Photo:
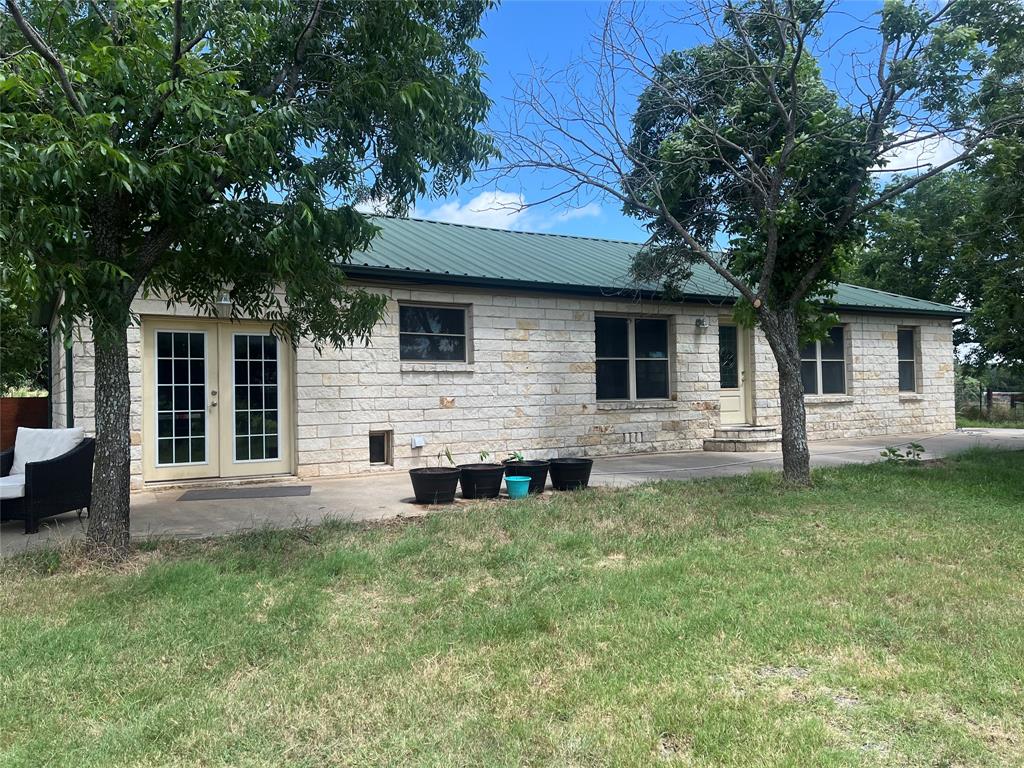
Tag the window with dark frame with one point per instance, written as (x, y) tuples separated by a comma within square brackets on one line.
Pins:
[(631, 358), (432, 334), (380, 447), (906, 353), (823, 364)]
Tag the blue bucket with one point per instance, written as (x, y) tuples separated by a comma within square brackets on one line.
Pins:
[(518, 486)]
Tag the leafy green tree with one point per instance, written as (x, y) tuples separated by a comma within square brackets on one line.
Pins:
[(185, 149), (23, 343), (958, 238), (741, 141)]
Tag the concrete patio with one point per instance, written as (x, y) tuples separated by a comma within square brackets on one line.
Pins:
[(378, 497)]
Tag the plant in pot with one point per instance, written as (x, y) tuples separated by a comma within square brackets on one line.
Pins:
[(481, 480), (536, 470), (436, 485), (570, 474)]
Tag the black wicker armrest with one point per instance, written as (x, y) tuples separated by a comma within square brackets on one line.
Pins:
[(6, 462), (63, 483)]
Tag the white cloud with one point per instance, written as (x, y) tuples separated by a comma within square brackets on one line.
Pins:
[(499, 209), (921, 155), (590, 210)]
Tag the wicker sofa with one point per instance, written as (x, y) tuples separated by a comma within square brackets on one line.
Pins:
[(36, 484)]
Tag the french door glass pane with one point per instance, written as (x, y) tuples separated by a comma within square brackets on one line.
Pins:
[(728, 368), (255, 417), (651, 379), (180, 397)]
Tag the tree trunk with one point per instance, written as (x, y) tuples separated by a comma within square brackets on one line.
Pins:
[(109, 514), (783, 336)]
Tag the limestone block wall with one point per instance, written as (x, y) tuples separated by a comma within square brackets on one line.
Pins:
[(81, 383), (528, 386), (873, 404)]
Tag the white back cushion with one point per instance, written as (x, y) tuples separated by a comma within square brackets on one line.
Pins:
[(41, 444)]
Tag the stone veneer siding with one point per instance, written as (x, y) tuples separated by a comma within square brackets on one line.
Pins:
[(530, 385)]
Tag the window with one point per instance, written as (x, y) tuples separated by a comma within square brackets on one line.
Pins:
[(632, 358), (380, 447), (256, 401), (823, 364), (180, 397), (432, 333), (906, 352)]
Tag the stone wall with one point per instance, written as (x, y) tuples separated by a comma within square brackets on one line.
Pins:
[(530, 385), (872, 404)]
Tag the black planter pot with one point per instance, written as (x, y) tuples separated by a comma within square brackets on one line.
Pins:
[(481, 481), (434, 485), (537, 471), (570, 474)]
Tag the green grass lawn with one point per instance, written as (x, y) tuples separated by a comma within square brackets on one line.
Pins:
[(877, 619), (967, 421)]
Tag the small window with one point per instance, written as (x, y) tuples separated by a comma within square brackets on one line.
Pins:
[(632, 358), (380, 447), (906, 352), (435, 334), (823, 364)]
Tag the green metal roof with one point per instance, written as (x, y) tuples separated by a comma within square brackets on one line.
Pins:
[(423, 251)]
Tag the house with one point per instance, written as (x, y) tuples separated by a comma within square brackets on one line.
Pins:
[(505, 341)]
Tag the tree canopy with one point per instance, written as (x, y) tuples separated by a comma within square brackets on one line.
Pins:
[(188, 149), (741, 155)]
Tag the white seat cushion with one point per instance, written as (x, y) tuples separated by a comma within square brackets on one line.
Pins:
[(12, 487), (41, 444)]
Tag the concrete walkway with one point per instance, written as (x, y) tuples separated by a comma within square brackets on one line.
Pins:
[(384, 496)]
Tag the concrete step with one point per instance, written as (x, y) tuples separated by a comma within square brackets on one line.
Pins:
[(744, 432), (742, 439)]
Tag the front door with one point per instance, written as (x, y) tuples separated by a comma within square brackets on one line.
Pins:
[(216, 400), (733, 346)]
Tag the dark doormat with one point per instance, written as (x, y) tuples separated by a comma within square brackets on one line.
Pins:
[(268, 492)]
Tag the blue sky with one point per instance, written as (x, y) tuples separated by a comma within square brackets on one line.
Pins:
[(553, 33)]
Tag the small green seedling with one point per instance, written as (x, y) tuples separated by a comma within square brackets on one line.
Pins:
[(910, 455), (516, 456), (446, 453)]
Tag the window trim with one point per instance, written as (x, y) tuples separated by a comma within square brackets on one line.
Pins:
[(632, 359), (817, 359), (916, 352), (467, 356)]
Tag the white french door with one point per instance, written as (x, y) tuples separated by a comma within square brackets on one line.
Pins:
[(216, 400)]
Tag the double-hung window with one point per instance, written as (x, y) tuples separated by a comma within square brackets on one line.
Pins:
[(906, 353), (823, 364), (632, 358), (433, 334)]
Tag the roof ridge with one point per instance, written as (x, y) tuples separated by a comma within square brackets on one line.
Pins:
[(507, 231)]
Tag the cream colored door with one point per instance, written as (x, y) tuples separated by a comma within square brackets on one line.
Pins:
[(255, 403), (216, 400), (733, 349)]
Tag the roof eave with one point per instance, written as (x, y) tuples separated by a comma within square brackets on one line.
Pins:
[(390, 274)]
